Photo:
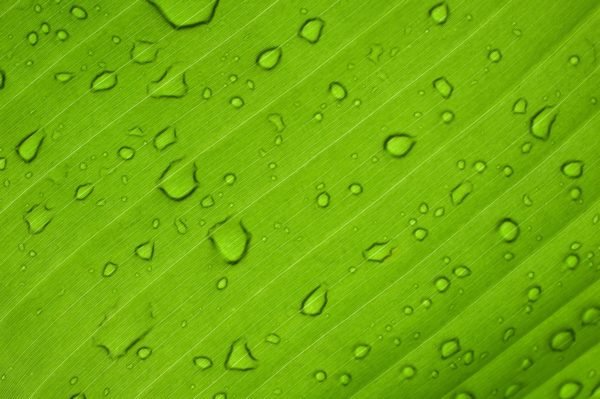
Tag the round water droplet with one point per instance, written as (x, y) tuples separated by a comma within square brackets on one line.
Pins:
[(408, 372), (509, 230), (345, 379), (78, 12), (495, 55), (203, 362), (126, 153), (464, 395), (442, 284), (237, 102), (355, 188), (572, 169), (269, 58), (144, 352), (399, 145), (338, 91), (62, 35), (420, 233), (534, 293), (378, 252), (323, 199), (574, 60), (447, 116), (443, 87), (320, 375)]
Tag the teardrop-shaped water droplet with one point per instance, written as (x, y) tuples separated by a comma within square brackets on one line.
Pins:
[(572, 169), (461, 192), (443, 87), (520, 106), (231, 239), (105, 80), (269, 58), (109, 269), (399, 145), (439, 13), (509, 230), (29, 147), (178, 181), (182, 14), (314, 303), (165, 138), (171, 84), (378, 252), (541, 123), (311, 30), (562, 340), (240, 357), (83, 191), (145, 251)]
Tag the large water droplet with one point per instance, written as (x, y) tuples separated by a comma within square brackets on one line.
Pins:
[(240, 357), (314, 303), (572, 169), (182, 14), (171, 84), (439, 13), (449, 348), (311, 30), (590, 316), (177, 181), (443, 86), (562, 340), (29, 147), (541, 123), (378, 251), (461, 192), (269, 58), (105, 80), (78, 12), (231, 239), (165, 138), (37, 218), (569, 389), (509, 230), (399, 145)]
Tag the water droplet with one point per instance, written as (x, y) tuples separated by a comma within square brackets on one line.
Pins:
[(236, 102), (572, 169), (320, 375), (361, 351), (569, 389), (37, 218), (345, 379), (541, 123), (461, 192), (439, 13), (29, 147), (63, 77), (32, 38), (145, 250), (165, 138), (562, 340), (277, 121), (574, 60), (508, 334), (355, 188), (314, 303), (269, 58), (442, 284), (461, 271), (229, 179), (378, 252), (399, 145), (207, 201), (273, 339), (447, 116), (571, 261), (449, 348), (220, 395), (534, 293), (468, 357), (375, 53), (78, 12), (207, 93), (443, 86), (240, 357), (178, 183), (62, 35), (144, 352), (171, 84), (323, 199), (420, 233), (3, 163), (520, 106), (181, 225), (186, 13), (109, 269), (512, 390), (143, 52), (231, 239), (464, 395), (509, 230), (408, 372), (495, 55), (311, 30), (338, 91), (590, 316), (105, 80), (2, 79), (203, 362), (126, 153)]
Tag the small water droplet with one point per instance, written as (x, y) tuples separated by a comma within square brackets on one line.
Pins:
[(78, 12), (447, 116), (207, 201), (269, 58), (104, 81), (461, 271), (222, 283), (109, 269), (562, 340), (420, 233), (520, 106), (236, 102), (64, 77), (145, 250), (144, 352), (449, 348), (574, 60), (443, 87), (314, 303), (361, 351), (186, 14), (590, 316), (399, 145), (202, 362), (37, 218), (569, 389), (464, 395), (509, 230), (231, 239), (126, 153), (495, 55), (355, 188), (277, 121), (32, 38), (345, 379), (273, 338), (323, 199), (442, 284), (408, 372), (534, 292), (439, 13), (320, 375), (461, 192)]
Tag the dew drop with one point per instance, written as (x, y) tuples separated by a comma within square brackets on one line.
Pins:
[(323, 199), (541, 123), (345, 379), (171, 84), (572, 169), (165, 138), (32, 38), (399, 145), (78, 12), (143, 52), (240, 357), (569, 389), (104, 81), (378, 252), (534, 293), (237, 102), (338, 91), (443, 87), (178, 182), (126, 153), (314, 303), (183, 14), (37, 218), (145, 251), (109, 269), (439, 13), (361, 351), (231, 239), (509, 230), (520, 106), (461, 192), (461, 271), (311, 30), (269, 58), (63, 77), (203, 362), (562, 340), (29, 147), (495, 55), (590, 316), (277, 121), (442, 284), (408, 372), (355, 188), (320, 375), (420, 233), (144, 352), (449, 348)]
